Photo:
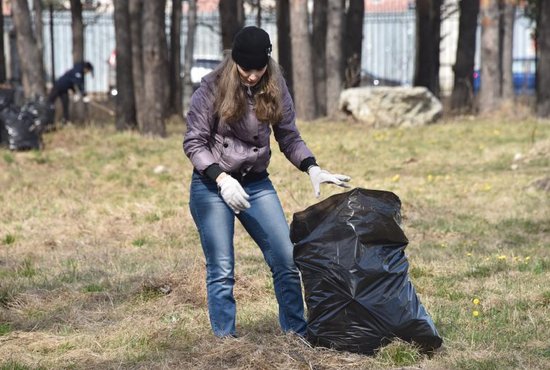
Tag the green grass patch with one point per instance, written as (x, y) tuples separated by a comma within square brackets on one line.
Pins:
[(15, 365), (4, 329), (27, 268), (8, 239), (93, 288), (399, 353)]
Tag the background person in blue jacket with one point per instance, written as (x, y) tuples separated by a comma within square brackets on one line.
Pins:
[(73, 80)]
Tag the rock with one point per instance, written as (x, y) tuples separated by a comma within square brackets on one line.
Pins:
[(391, 106)]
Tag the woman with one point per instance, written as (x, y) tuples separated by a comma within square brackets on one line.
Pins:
[(229, 123)]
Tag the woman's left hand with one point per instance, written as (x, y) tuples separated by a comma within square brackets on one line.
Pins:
[(319, 176)]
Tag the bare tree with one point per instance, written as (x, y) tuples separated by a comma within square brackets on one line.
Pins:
[(258, 4), (284, 46), (189, 49), (2, 48), (335, 28), (320, 21), (77, 25), (231, 20), (428, 37), (462, 98), (30, 58), (354, 42), (490, 60), (38, 25), (508, 15), (154, 68), (301, 60), (136, 14), (79, 109), (125, 101), (175, 99), (543, 58)]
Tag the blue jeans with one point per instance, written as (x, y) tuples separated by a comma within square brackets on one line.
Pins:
[(266, 224)]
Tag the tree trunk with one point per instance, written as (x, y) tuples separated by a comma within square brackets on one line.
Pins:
[(354, 43), (79, 109), (258, 13), (320, 19), (301, 60), (284, 46), (543, 60), (428, 24), (490, 89), (136, 15), (189, 50), (508, 20), (77, 25), (175, 60), (231, 20), (462, 98), (335, 31), (52, 44), (125, 103), (38, 25), (154, 67), (32, 66), (2, 48)]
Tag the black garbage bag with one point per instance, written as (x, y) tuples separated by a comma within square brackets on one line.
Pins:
[(350, 251), (7, 96), (42, 111), (22, 129)]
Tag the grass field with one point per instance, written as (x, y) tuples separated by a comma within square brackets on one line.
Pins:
[(101, 267)]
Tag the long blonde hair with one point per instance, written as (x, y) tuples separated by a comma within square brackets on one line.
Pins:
[(231, 100)]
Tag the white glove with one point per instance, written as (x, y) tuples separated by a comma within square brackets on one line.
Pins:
[(319, 176), (233, 193), (86, 99)]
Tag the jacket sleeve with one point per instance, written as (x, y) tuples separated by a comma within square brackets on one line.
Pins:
[(287, 134), (196, 142), (77, 79)]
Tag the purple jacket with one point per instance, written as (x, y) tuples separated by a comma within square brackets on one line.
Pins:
[(242, 147)]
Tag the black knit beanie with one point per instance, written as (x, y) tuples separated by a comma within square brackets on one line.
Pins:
[(251, 48)]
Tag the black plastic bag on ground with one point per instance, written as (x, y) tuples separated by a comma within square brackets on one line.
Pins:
[(350, 251), (22, 129), (42, 111)]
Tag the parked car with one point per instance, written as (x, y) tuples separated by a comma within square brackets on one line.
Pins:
[(200, 68), (523, 74), (369, 79)]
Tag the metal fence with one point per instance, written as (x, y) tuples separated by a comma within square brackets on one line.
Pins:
[(388, 43)]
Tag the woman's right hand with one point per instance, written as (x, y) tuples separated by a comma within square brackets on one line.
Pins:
[(232, 193)]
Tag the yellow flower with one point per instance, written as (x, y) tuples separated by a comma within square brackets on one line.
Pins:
[(501, 257), (527, 258), (395, 178), (475, 313), (430, 178), (476, 301), (469, 254), (487, 187)]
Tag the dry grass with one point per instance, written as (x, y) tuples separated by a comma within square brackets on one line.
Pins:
[(100, 264)]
